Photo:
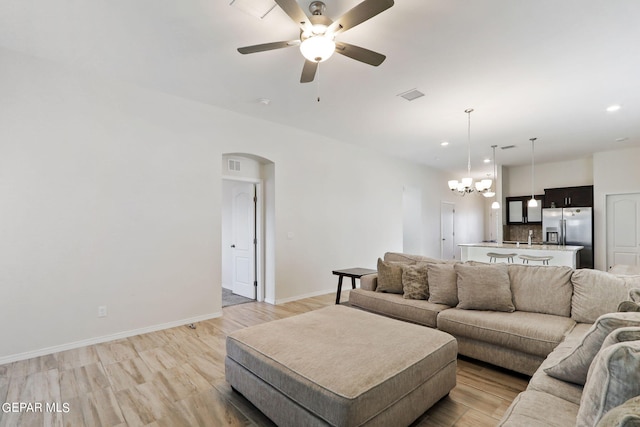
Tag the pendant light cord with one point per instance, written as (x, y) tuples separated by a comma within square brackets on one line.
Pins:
[(532, 166), (495, 168), (318, 82), (469, 111)]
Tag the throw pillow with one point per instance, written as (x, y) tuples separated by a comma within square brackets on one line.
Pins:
[(389, 277), (630, 333), (614, 378), (484, 287), (443, 287), (634, 304), (575, 365), (414, 281), (625, 415)]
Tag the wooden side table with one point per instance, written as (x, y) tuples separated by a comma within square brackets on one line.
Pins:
[(354, 273)]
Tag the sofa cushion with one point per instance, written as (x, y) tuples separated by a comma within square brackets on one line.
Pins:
[(614, 378), (389, 277), (443, 288), (540, 381), (536, 409), (531, 333), (575, 365), (484, 287), (596, 293), (625, 415), (414, 281), (415, 311), (541, 289)]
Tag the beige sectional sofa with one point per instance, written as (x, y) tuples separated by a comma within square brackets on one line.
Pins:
[(552, 310)]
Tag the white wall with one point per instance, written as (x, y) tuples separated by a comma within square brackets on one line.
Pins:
[(548, 175), (111, 195), (614, 172)]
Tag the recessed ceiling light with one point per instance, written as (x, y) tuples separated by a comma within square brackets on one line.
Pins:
[(487, 160), (612, 108), (444, 143), (264, 101)]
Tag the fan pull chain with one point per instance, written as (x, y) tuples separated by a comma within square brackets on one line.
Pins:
[(318, 82)]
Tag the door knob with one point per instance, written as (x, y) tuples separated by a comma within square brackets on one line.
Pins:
[(233, 246)]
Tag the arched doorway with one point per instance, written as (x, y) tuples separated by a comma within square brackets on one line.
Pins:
[(248, 259)]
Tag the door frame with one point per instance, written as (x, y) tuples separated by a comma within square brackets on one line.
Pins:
[(259, 232)]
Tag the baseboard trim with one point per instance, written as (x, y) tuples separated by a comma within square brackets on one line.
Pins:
[(309, 295), (105, 338)]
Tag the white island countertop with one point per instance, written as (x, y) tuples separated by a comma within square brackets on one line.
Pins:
[(559, 255), (514, 246)]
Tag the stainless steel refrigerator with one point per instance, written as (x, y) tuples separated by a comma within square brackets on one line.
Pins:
[(571, 227)]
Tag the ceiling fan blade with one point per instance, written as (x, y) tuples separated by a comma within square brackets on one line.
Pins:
[(295, 12), (360, 54), (308, 71), (360, 13), (267, 46)]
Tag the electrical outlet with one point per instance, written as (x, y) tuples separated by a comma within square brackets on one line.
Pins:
[(102, 311)]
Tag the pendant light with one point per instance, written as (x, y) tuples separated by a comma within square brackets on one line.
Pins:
[(533, 203), (465, 185), (488, 191), (495, 204)]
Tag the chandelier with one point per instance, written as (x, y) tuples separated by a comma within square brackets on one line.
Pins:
[(465, 185)]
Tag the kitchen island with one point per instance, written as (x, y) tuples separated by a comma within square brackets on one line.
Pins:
[(561, 255)]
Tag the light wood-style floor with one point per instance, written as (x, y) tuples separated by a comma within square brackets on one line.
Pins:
[(176, 378)]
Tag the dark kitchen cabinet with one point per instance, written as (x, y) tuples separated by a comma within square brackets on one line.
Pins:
[(518, 211), (568, 196)]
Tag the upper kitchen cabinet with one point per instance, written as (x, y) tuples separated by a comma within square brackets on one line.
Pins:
[(568, 196), (518, 211)]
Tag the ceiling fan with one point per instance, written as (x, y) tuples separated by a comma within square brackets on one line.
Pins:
[(317, 34)]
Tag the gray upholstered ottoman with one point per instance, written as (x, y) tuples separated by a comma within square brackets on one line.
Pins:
[(341, 366)]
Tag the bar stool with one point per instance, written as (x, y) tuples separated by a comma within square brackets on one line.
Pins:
[(526, 258), (494, 255)]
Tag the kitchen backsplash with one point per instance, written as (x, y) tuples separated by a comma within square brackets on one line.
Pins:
[(520, 232)]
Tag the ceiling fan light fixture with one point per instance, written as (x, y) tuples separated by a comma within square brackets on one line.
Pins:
[(318, 29), (317, 48)]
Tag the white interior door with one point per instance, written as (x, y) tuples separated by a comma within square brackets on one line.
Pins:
[(623, 229), (243, 239), (447, 233)]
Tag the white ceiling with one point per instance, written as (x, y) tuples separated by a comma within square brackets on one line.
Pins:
[(544, 68)]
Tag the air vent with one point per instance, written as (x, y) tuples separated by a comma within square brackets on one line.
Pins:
[(234, 165), (508, 147), (412, 94)]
